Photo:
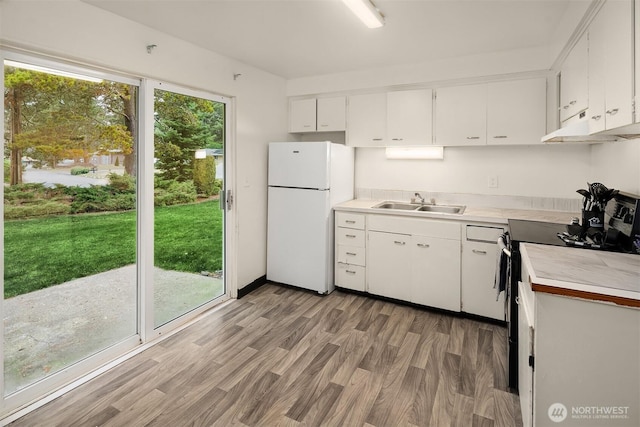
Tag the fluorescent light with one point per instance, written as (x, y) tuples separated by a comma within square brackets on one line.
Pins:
[(51, 71), (415, 153), (367, 12)]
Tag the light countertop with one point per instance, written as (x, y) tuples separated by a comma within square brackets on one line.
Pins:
[(591, 274), (470, 214)]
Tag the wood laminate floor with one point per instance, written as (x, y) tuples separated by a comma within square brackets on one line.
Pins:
[(281, 356)]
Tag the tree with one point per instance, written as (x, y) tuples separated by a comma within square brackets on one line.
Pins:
[(51, 117), (179, 132)]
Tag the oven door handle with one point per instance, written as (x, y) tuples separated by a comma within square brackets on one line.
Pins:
[(503, 246)]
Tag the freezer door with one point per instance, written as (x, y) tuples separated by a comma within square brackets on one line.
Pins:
[(299, 164), (299, 240)]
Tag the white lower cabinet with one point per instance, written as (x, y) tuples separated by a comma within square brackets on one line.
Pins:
[(435, 272), (350, 251), (414, 260), (443, 264), (478, 271), (389, 264)]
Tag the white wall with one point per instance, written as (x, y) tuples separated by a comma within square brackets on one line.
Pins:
[(535, 171), (80, 32), (617, 165)]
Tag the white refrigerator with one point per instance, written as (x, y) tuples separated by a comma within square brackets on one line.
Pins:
[(306, 179)]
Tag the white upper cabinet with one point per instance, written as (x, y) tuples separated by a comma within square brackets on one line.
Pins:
[(396, 118), (498, 113), (573, 81), (409, 117), (367, 120), (461, 115), (610, 67), (516, 111), (317, 115), (302, 115), (332, 114)]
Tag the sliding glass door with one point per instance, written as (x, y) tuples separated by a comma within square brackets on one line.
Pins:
[(70, 288), (189, 152), (113, 218)]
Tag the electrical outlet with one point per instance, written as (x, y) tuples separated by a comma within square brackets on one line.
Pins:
[(492, 181)]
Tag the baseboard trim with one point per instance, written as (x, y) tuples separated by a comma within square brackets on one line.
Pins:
[(252, 286)]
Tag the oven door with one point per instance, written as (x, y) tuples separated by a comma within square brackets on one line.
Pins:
[(512, 316)]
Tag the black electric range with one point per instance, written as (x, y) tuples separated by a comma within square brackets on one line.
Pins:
[(621, 233)]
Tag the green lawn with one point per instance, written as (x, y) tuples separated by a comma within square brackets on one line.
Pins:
[(42, 252)]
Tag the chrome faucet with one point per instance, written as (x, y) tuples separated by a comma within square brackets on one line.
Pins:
[(422, 201)]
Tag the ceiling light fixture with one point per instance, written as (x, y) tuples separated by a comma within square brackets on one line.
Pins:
[(367, 12)]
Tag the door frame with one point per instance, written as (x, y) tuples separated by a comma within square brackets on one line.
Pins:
[(146, 220)]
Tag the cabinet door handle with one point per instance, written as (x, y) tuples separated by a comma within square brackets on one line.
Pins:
[(349, 221), (397, 139), (572, 102), (323, 125), (377, 139), (598, 117), (473, 137), (398, 242), (479, 252), (565, 107), (307, 126), (613, 112), (350, 272), (350, 253), (501, 136), (423, 245), (351, 236)]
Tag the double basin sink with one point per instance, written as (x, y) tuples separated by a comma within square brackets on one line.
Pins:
[(400, 206)]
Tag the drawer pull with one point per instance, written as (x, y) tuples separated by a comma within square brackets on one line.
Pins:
[(398, 242), (351, 236), (377, 139), (572, 102), (351, 253), (349, 221), (501, 136), (473, 137), (597, 117), (350, 272), (479, 252), (613, 112), (423, 245)]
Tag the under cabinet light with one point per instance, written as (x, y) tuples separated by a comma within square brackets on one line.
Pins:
[(415, 153), (367, 12)]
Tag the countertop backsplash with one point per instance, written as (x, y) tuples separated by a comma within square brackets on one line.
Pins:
[(479, 200)]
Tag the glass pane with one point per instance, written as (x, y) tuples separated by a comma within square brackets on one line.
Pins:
[(70, 286), (188, 221)]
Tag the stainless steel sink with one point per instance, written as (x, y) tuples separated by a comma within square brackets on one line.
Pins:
[(450, 209), (442, 208), (397, 205)]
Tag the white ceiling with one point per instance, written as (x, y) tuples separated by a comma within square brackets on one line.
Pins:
[(298, 38)]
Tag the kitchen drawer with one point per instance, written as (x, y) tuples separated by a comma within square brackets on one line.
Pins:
[(351, 254), (483, 234), (350, 220), (350, 276), (349, 237)]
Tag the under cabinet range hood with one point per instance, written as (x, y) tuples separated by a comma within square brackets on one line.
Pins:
[(577, 131)]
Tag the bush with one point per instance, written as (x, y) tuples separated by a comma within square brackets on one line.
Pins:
[(80, 170), (204, 176), (122, 183), (7, 169), (36, 209), (175, 194)]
